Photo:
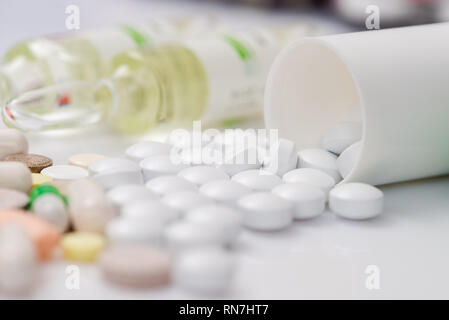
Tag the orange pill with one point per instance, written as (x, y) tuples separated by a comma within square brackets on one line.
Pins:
[(45, 236)]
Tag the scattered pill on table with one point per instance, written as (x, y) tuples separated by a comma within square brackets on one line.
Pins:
[(12, 199), (309, 201), (311, 176), (166, 184), (356, 201), (202, 174), (224, 191), (340, 136), (82, 246), (348, 159), (224, 219), (65, 172), (242, 160), (52, 209), (319, 159), (107, 164), (35, 162), (17, 259), (128, 193), (265, 211), (149, 210), (161, 165), (136, 265), (88, 206), (183, 201), (12, 141), (204, 270), (117, 177), (125, 230), (15, 175), (84, 160), (139, 151), (38, 179), (45, 235), (258, 180)]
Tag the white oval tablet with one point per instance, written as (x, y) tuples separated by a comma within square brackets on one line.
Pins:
[(202, 174), (265, 211), (186, 200), (224, 219), (51, 208), (149, 209), (348, 159), (319, 159), (166, 184), (15, 175), (357, 201), (121, 195), (311, 176), (107, 164), (205, 270), (139, 151), (258, 180), (119, 176), (282, 157), (309, 201), (182, 235), (340, 136), (161, 165), (242, 160), (134, 231), (224, 191), (65, 172)]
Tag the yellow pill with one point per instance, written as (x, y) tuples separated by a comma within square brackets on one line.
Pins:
[(82, 246), (39, 179), (84, 160)]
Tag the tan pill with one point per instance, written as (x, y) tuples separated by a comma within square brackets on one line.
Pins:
[(133, 265), (12, 141), (44, 235), (12, 199), (15, 175), (35, 162), (84, 160)]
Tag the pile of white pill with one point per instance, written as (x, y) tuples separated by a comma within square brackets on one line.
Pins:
[(149, 220)]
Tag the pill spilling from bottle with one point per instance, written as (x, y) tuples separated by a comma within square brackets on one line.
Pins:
[(146, 220)]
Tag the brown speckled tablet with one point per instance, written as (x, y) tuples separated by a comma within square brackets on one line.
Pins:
[(34, 162), (136, 265)]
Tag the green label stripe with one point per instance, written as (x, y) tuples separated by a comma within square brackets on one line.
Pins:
[(243, 51), (139, 38)]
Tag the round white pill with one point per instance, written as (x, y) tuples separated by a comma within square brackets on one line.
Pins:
[(204, 270), (282, 157), (106, 164), (348, 159), (121, 195), (356, 201), (242, 160), (166, 184), (258, 180), (149, 209), (182, 235), (202, 174), (340, 136), (51, 208), (319, 159), (265, 211), (225, 220), (84, 160), (109, 179), (311, 176), (161, 165), (139, 151), (137, 231), (65, 172), (183, 201), (309, 201), (224, 191)]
